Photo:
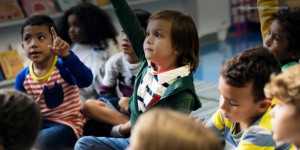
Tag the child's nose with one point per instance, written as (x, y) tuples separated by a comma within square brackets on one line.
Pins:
[(222, 103), (33, 43), (267, 41)]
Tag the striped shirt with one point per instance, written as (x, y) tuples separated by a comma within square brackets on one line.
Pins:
[(154, 84), (258, 136), (63, 105)]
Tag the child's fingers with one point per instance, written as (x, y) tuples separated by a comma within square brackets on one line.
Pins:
[(60, 44), (50, 48), (53, 33), (57, 42)]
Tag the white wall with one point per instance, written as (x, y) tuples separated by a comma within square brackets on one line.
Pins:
[(208, 14)]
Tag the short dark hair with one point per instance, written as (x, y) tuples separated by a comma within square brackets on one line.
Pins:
[(20, 120), (95, 25), (252, 65), (184, 37), (39, 20), (289, 18), (143, 17)]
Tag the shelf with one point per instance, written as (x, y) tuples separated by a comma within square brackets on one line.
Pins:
[(59, 14), (5, 83)]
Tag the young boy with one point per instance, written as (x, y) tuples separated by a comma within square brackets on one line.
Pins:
[(244, 110), (20, 121), (280, 30), (121, 68), (286, 114), (52, 80)]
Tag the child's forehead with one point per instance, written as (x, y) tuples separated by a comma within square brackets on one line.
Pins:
[(159, 23), (36, 29), (235, 93)]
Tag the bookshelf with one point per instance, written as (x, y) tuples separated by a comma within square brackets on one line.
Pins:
[(59, 14)]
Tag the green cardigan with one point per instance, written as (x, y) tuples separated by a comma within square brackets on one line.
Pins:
[(180, 95)]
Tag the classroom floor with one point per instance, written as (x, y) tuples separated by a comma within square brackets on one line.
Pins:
[(207, 74), (212, 55)]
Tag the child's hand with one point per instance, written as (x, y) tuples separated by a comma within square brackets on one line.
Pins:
[(124, 103), (60, 47)]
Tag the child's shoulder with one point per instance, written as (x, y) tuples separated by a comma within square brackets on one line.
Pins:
[(115, 58), (23, 72)]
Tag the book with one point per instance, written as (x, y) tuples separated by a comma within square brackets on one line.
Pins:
[(11, 64), (38, 7), (10, 9), (63, 5)]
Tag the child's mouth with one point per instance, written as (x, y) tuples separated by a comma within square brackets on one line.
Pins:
[(148, 49), (124, 46), (35, 53)]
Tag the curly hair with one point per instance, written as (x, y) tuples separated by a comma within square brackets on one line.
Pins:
[(252, 65), (173, 130), (285, 86), (95, 25), (184, 37), (290, 19), (39, 20), (20, 120)]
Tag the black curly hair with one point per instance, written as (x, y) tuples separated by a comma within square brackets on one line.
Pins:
[(252, 65), (95, 25), (289, 18), (20, 120), (39, 20)]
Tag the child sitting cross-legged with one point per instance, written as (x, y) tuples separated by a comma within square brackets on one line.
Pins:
[(244, 110), (52, 80)]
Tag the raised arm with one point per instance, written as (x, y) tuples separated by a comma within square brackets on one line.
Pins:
[(131, 26), (265, 9)]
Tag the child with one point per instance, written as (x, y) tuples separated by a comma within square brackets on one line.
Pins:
[(280, 30), (160, 128), (122, 68), (90, 32), (52, 79), (169, 55), (282, 35), (286, 114), (20, 121), (244, 110)]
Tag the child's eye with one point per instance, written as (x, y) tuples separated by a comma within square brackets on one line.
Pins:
[(77, 25), (26, 38), (269, 32), (147, 34), (276, 39), (157, 35), (41, 37)]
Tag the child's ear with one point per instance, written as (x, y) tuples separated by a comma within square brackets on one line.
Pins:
[(264, 105), (22, 45), (295, 55)]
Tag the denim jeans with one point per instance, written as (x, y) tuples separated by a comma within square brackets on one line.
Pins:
[(103, 143), (55, 136)]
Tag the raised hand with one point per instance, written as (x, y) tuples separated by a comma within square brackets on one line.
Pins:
[(60, 47)]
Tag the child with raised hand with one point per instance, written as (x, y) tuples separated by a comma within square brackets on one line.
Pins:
[(167, 129), (244, 109), (52, 80), (280, 30), (169, 53), (286, 114), (122, 69), (20, 121), (92, 37)]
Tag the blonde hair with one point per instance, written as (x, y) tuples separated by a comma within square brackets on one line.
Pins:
[(162, 129), (285, 86)]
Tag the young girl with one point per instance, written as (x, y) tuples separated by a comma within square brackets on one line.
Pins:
[(169, 53), (90, 32), (171, 130), (285, 87)]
